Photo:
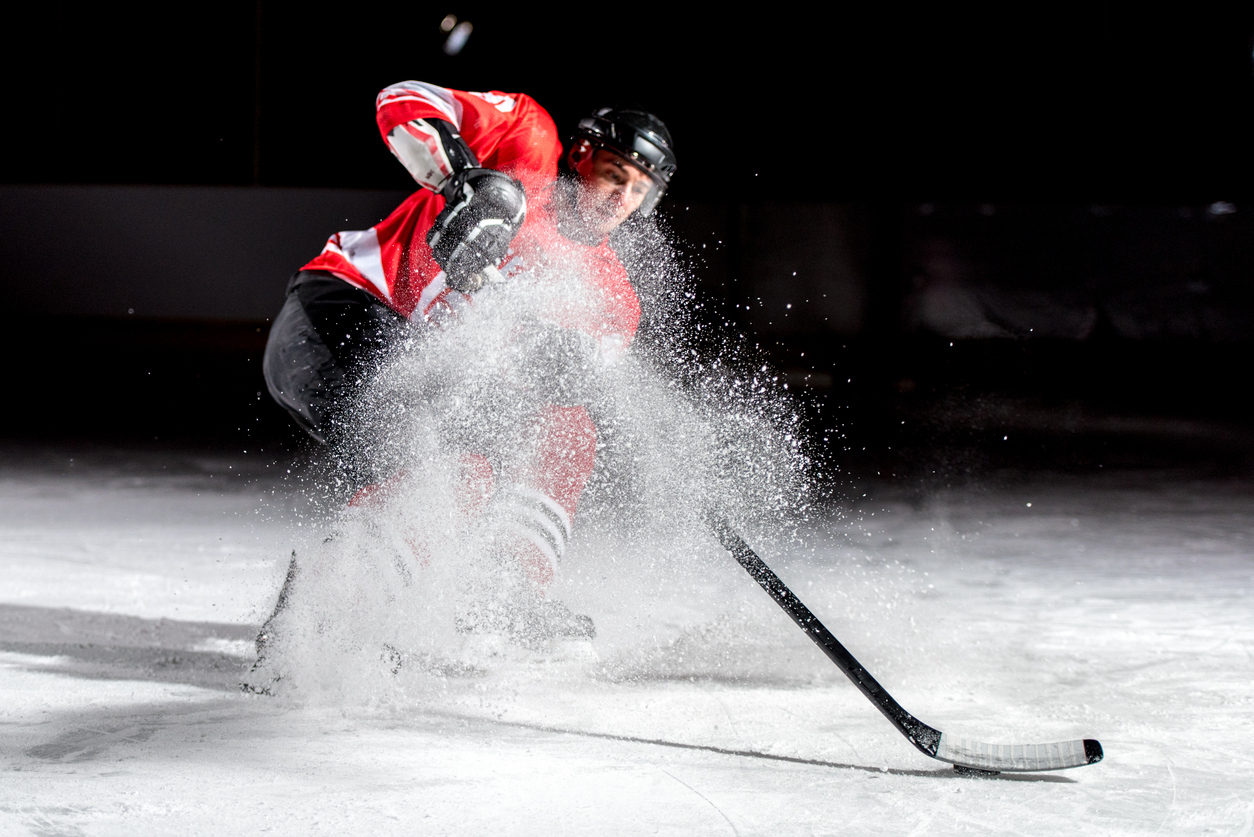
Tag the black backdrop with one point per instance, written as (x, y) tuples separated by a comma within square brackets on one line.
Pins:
[(1065, 101), (1111, 128)]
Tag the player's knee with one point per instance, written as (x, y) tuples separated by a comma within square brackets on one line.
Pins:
[(474, 484)]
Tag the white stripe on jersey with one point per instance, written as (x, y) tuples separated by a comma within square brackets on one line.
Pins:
[(417, 145), (417, 91), (499, 101), (428, 296), (361, 248)]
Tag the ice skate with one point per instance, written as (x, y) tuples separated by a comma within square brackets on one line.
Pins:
[(261, 678), (531, 625), (534, 631), (397, 661)]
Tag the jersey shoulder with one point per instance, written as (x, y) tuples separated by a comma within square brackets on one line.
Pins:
[(513, 133), (509, 132)]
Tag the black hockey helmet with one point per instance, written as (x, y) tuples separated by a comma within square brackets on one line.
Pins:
[(638, 136)]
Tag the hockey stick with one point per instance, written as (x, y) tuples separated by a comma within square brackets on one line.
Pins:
[(963, 754)]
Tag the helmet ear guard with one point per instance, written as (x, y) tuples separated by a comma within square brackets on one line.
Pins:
[(638, 137), (580, 149)]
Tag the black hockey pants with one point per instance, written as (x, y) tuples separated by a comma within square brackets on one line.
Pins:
[(328, 339)]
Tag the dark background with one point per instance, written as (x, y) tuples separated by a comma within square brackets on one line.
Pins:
[(1095, 101), (1011, 237)]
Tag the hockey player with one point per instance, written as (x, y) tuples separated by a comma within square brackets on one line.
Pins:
[(491, 208)]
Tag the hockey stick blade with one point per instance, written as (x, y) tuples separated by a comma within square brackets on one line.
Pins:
[(959, 752)]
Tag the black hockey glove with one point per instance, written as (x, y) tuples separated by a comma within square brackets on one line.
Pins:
[(483, 211), (562, 365)]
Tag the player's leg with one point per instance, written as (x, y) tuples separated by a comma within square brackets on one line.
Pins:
[(533, 516), (328, 337), (538, 510)]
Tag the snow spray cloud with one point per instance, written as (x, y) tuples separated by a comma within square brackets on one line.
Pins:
[(451, 420)]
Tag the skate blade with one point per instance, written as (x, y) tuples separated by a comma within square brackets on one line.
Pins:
[(260, 680), (496, 653), (445, 667), (569, 651)]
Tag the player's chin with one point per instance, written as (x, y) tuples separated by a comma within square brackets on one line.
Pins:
[(613, 218)]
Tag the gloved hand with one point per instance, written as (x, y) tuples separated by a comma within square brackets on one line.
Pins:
[(484, 210), (561, 365)]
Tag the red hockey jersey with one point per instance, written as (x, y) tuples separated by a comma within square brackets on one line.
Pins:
[(511, 133)]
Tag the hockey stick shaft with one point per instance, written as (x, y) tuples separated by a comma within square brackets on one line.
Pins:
[(922, 736)]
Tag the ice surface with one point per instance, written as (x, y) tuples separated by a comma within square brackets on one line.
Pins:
[(1113, 607)]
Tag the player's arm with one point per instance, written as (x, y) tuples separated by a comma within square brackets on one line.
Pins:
[(431, 151), (483, 208)]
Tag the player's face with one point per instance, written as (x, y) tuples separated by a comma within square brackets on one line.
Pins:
[(612, 188)]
